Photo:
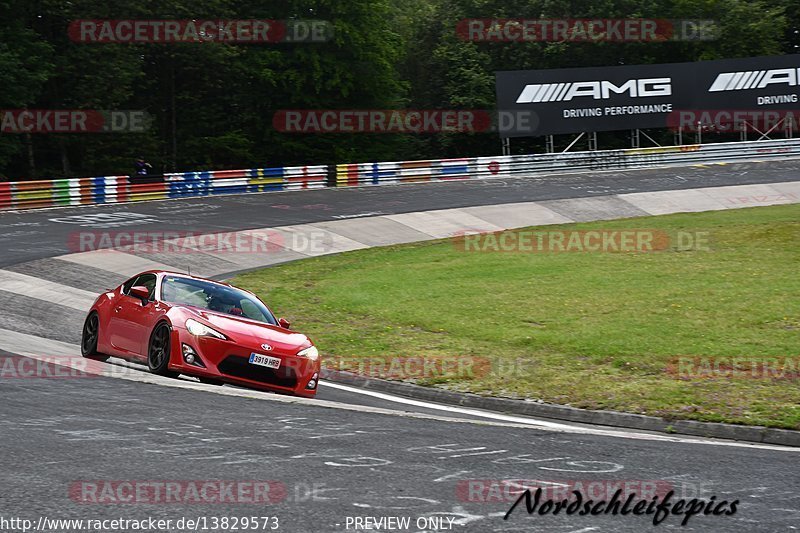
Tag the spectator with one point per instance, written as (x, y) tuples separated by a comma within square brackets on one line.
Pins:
[(142, 168)]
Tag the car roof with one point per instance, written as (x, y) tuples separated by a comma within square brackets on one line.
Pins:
[(183, 275), (189, 276)]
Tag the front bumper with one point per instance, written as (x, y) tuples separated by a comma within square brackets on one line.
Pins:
[(229, 362)]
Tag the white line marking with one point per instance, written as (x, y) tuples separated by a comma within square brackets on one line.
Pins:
[(566, 428), (359, 215), (457, 475), (44, 349), (333, 435), (471, 454)]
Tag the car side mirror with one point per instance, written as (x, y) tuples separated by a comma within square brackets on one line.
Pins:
[(140, 292), (282, 322)]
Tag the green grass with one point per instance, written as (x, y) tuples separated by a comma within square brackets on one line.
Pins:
[(592, 330)]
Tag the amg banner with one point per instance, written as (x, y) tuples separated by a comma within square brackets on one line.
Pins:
[(724, 93)]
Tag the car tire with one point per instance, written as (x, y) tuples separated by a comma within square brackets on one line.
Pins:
[(89, 336), (211, 381), (159, 349)]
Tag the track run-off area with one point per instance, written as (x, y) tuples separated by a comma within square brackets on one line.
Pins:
[(349, 453)]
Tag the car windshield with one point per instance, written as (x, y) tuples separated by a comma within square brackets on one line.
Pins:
[(214, 297)]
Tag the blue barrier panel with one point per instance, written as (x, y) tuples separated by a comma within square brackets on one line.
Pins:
[(188, 184), (265, 179), (375, 174), (199, 183), (99, 190), (451, 168), (176, 185)]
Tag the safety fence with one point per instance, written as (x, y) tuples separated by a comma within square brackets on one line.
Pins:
[(114, 189), (536, 164)]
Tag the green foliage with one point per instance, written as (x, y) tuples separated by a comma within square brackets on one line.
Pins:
[(212, 104)]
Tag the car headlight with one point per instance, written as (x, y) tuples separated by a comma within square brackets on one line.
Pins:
[(311, 353), (201, 330)]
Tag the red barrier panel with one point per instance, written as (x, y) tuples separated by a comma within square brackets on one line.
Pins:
[(301, 179), (422, 175), (86, 188), (5, 195), (352, 174), (147, 191), (122, 188), (225, 174)]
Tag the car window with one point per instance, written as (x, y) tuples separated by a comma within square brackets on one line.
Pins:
[(144, 280), (183, 293), (250, 310), (149, 281), (126, 287), (214, 297)]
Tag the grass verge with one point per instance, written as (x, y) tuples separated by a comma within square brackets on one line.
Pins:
[(655, 333)]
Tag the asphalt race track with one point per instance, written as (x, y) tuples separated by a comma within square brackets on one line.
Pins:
[(345, 454), (33, 235)]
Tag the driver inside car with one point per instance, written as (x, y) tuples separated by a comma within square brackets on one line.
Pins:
[(219, 302)]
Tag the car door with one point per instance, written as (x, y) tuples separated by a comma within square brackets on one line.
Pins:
[(130, 317)]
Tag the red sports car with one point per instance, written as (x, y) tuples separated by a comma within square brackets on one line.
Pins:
[(180, 324)]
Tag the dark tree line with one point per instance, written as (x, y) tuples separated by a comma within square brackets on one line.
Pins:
[(212, 103)]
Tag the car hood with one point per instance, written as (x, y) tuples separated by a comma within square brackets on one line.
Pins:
[(243, 329)]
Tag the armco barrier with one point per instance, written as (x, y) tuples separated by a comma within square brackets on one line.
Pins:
[(497, 166), (535, 164), (188, 184), (114, 189), (5, 195)]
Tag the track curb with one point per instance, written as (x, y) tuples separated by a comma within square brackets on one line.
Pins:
[(757, 434)]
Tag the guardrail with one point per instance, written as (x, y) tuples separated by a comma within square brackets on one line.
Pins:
[(115, 189), (535, 164)]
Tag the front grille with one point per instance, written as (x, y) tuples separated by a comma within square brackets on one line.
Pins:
[(240, 367)]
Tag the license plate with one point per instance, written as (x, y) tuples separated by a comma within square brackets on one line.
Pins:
[(265, 360)]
